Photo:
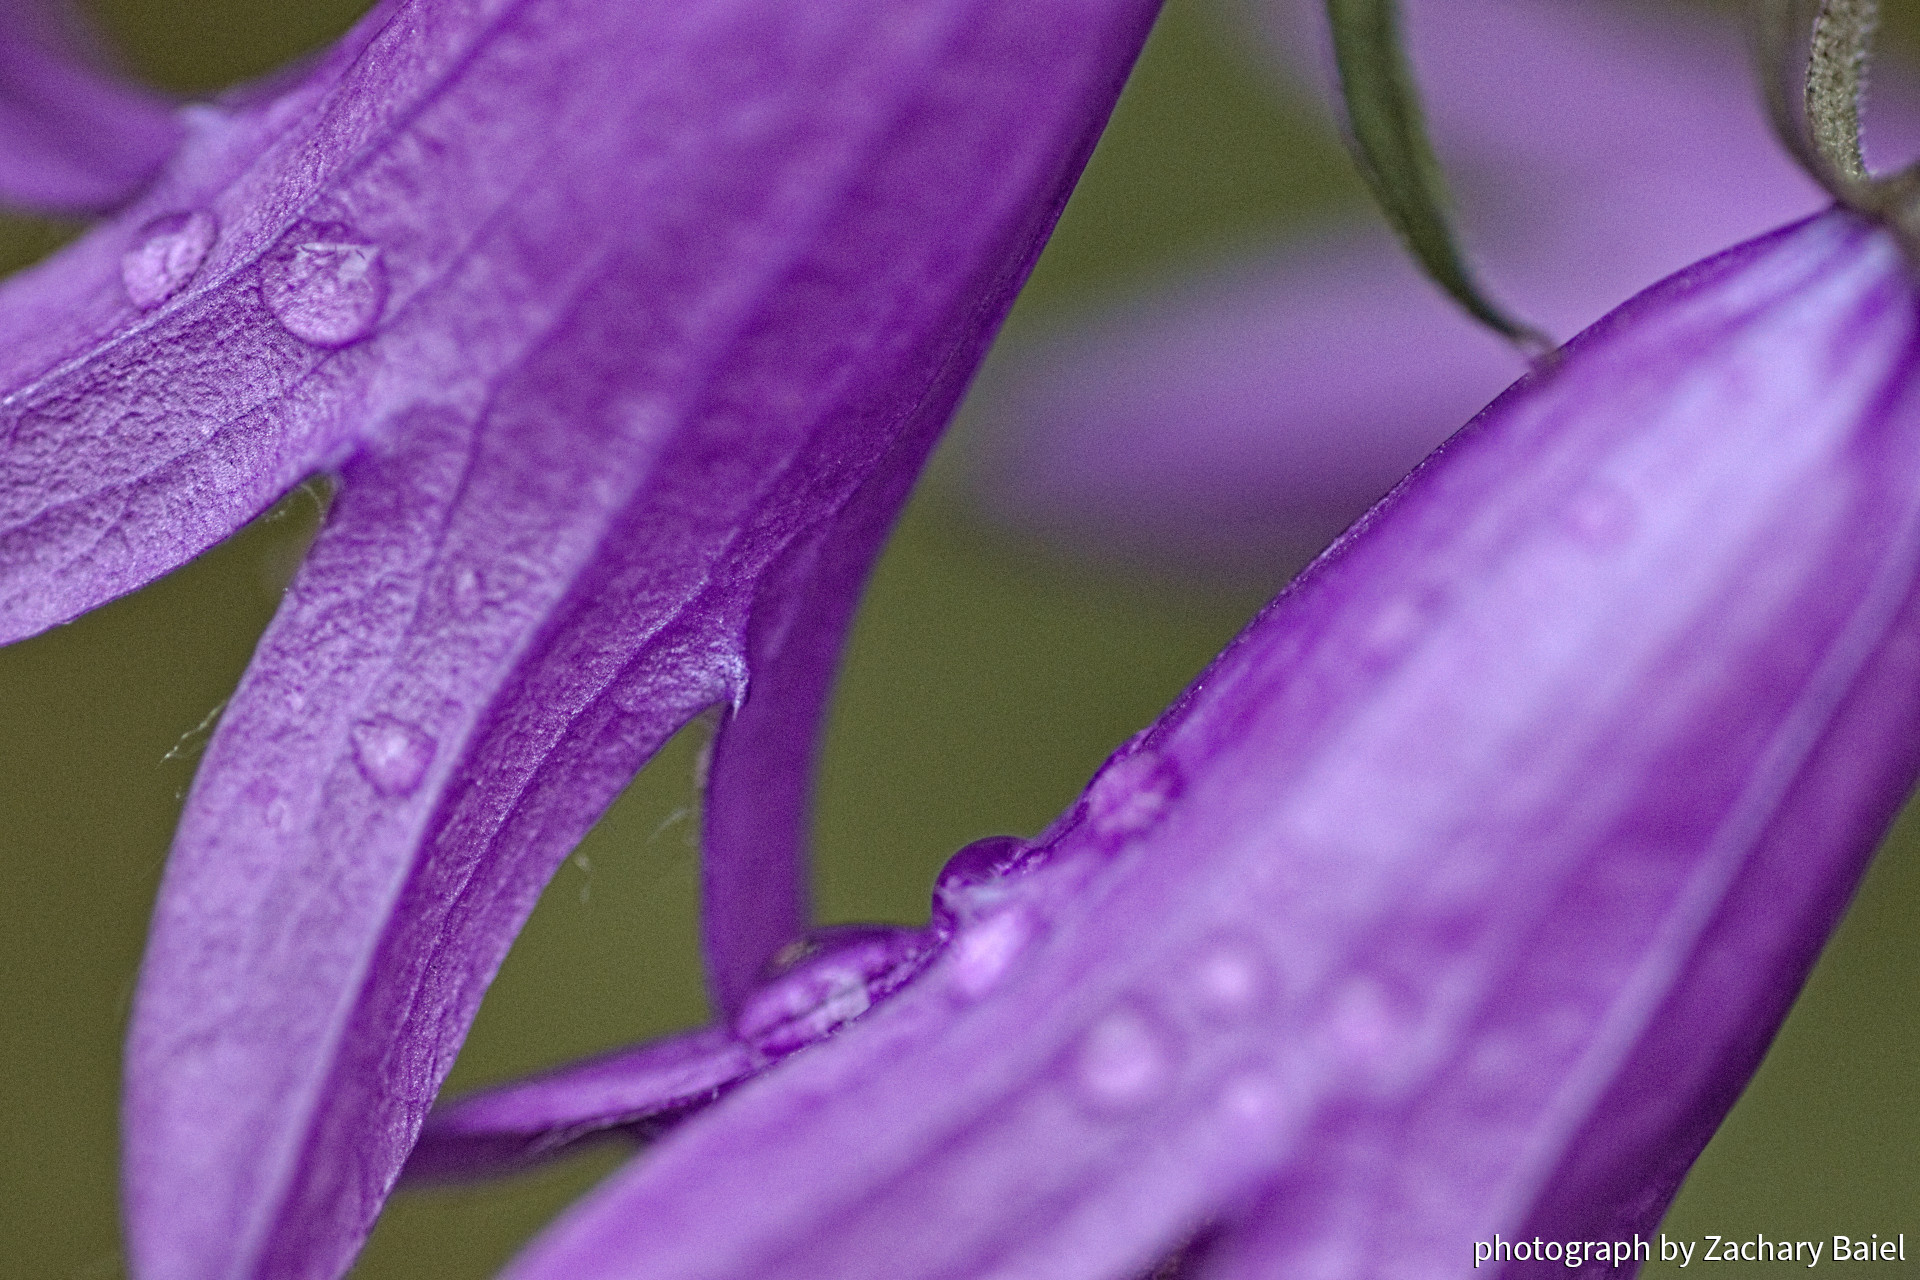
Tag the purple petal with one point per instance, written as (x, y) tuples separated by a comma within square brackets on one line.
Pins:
[(1459, 896), (506, 1129), (616, 395), (150, 400), (1247, 416), (72, 139), (819, 983)]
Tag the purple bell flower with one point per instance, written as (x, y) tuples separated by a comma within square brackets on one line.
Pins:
[(1456, 902), (1457, 899)]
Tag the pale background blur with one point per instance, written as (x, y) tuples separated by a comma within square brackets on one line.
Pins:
[(987, 678)]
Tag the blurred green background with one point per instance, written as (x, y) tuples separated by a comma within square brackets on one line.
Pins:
[(987, 679)]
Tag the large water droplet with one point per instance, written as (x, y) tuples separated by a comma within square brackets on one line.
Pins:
[(165, 256), (972, 879), (1124, 1061), (392, 754), (825, 981), (325, 284), (1132, 794), (980, 954)]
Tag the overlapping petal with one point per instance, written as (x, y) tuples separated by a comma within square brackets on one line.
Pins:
[(630, 325), (1246, 415), (73, 139), (1460, 895)]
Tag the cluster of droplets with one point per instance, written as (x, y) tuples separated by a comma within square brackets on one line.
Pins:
[(324, 283)]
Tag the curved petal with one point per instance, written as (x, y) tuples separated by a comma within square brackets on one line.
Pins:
[(615, 395), (1247, 416), (1549, 778), (632, 1091), (72, 139)]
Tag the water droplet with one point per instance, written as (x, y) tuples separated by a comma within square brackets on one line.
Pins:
[(1229, 981), (1132, 794), (1398, 626), (165, 257), (1600, 516), (826, 980), (1369, 1034), (981, 953), (325, 284), (468, 593), (1249, 1098), (971, 876), (279, 815), (1124, 1061), (392, 754)]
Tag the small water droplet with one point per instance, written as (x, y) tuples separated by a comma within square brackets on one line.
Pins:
[(1398, 626), (826, 980), (165, 256), (1251, 1099), (1125, 1061), (279, 816), (1600, 516), (982, 952), (972, 877), (1368, 1032), (392, 754), (1229, 981), (325, 284), (1132, 794)]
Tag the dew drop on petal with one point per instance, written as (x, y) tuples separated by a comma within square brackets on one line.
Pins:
[(1229, 981), (1601, 516), (1371, 1035), (826, 980), (165, 256), (1398, 625), (981, 953), (1251, 1099), (392, 754), (325, 284), (1125, 1061), (974, 874), (1132, 794), (468, 593)]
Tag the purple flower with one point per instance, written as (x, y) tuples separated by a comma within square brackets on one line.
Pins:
[(625, 329), (1457, 900), (1242, 416)]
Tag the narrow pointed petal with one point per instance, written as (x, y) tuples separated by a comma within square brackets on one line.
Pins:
[(818, 984), (1246, 416), (72, 138), (757, 813), (632, 1091), (618, 393), (1542, 787)]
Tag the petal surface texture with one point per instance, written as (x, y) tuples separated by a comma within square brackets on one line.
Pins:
[(152, 400), (1244, 416), (72, 138), (644, 316), (1459, 896)]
